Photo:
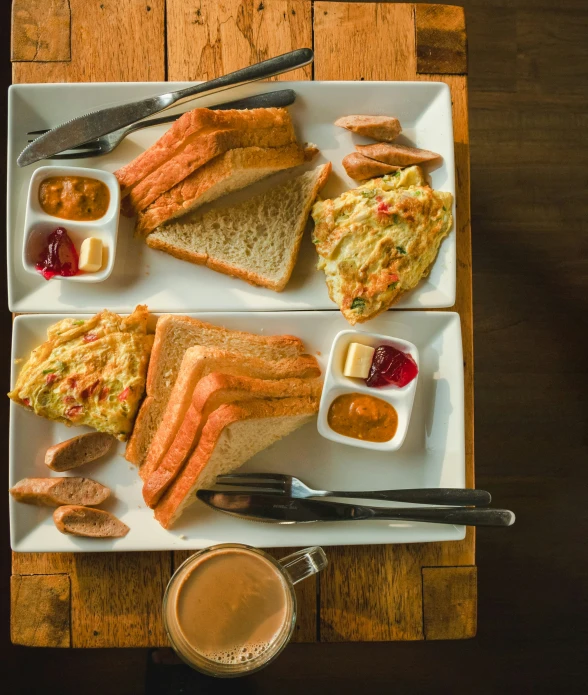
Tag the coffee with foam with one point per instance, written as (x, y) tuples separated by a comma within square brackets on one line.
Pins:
[(232, 606)]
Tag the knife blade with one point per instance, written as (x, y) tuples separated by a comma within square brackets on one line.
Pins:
[(97, 123), (289, 510)]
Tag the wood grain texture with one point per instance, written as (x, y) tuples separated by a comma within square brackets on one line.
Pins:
[(386, 600), (111, 40), (208, 38), (450, 602), (40, 610), (441, 44), (364, 41), (41, 30)]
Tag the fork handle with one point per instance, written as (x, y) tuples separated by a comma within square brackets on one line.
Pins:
[(448, 496), (260, 71), (440, 515), (276, 99)]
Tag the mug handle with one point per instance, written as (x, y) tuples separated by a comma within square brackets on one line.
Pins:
[(304, 563)]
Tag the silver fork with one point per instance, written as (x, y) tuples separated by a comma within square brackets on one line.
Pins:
[(105, 144), (288, 485)]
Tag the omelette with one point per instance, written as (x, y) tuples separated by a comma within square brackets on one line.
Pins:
[(89, 372), (377, 241)]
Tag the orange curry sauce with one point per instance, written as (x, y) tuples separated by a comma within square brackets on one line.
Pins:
[(74, 197), (363, 417)]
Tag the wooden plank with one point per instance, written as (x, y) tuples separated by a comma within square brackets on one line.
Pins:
[(441, 42), (41, 30), (116, 599), (385, 602), (210, 38), (40, 610), (110, 41), (450, 602), (364, 41)]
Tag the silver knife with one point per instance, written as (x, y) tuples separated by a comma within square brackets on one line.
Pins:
[(280, 510), (92, 125)]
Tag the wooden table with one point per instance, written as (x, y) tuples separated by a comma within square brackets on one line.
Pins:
[(368, 593)]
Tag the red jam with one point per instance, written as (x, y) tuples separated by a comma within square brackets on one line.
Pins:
[(59, 257), (391, 366)]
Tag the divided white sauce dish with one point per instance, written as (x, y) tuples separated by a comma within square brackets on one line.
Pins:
[(337, 384), (39, 224)]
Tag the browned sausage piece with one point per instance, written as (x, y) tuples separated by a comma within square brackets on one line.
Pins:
[(53, 492), (397, 155), (359, 167), (377, 127), (76, 451), (88, 522)]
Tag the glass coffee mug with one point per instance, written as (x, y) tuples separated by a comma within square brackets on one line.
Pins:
[(230, 609)]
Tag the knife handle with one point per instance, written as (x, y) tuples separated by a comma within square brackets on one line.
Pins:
[(449, 496), (260, 71), (441, 515), (278, 98)]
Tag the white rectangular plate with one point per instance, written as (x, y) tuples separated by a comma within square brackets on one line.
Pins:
[(431, 456), (144, 275)]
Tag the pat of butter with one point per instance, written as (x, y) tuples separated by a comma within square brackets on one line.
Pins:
[(90, 255), (359, 361)]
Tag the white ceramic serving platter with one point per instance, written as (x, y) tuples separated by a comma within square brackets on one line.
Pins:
[(144, 275), (432, 455)]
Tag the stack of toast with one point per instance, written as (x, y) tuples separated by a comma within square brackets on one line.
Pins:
[(215, 398), (205, 155)]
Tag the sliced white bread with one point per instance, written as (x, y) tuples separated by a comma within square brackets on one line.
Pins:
[(233, 434), (228, 172), (196, 364), (173, 336), (185, 133), (257, 240), (210, 393)]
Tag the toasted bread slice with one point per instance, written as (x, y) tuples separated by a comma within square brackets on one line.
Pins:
[(183, 136), (228, 172), (360, 167), (211, 393), (397, 155), (173, 336), (79, 450), (257, 240), (53, 492), (86, 521), (384, 128), (196, 364), (233, 434)]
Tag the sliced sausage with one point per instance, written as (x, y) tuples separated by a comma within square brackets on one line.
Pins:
[(88, 522), (397, 155), (53, 492), (359, 167), (377, 127), (79, 450)]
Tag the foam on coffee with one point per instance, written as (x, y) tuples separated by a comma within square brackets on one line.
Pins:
[(231, 606)]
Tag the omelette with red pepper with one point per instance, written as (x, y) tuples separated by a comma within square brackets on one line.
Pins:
[(377, 241), (89, 372)]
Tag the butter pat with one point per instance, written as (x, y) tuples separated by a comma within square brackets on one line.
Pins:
[(90, 255), (358, 361)]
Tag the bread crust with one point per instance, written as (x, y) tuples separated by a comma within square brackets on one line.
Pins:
[(217, 177), (188, 128), (166, 512), (198, 361), (211, 392)]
